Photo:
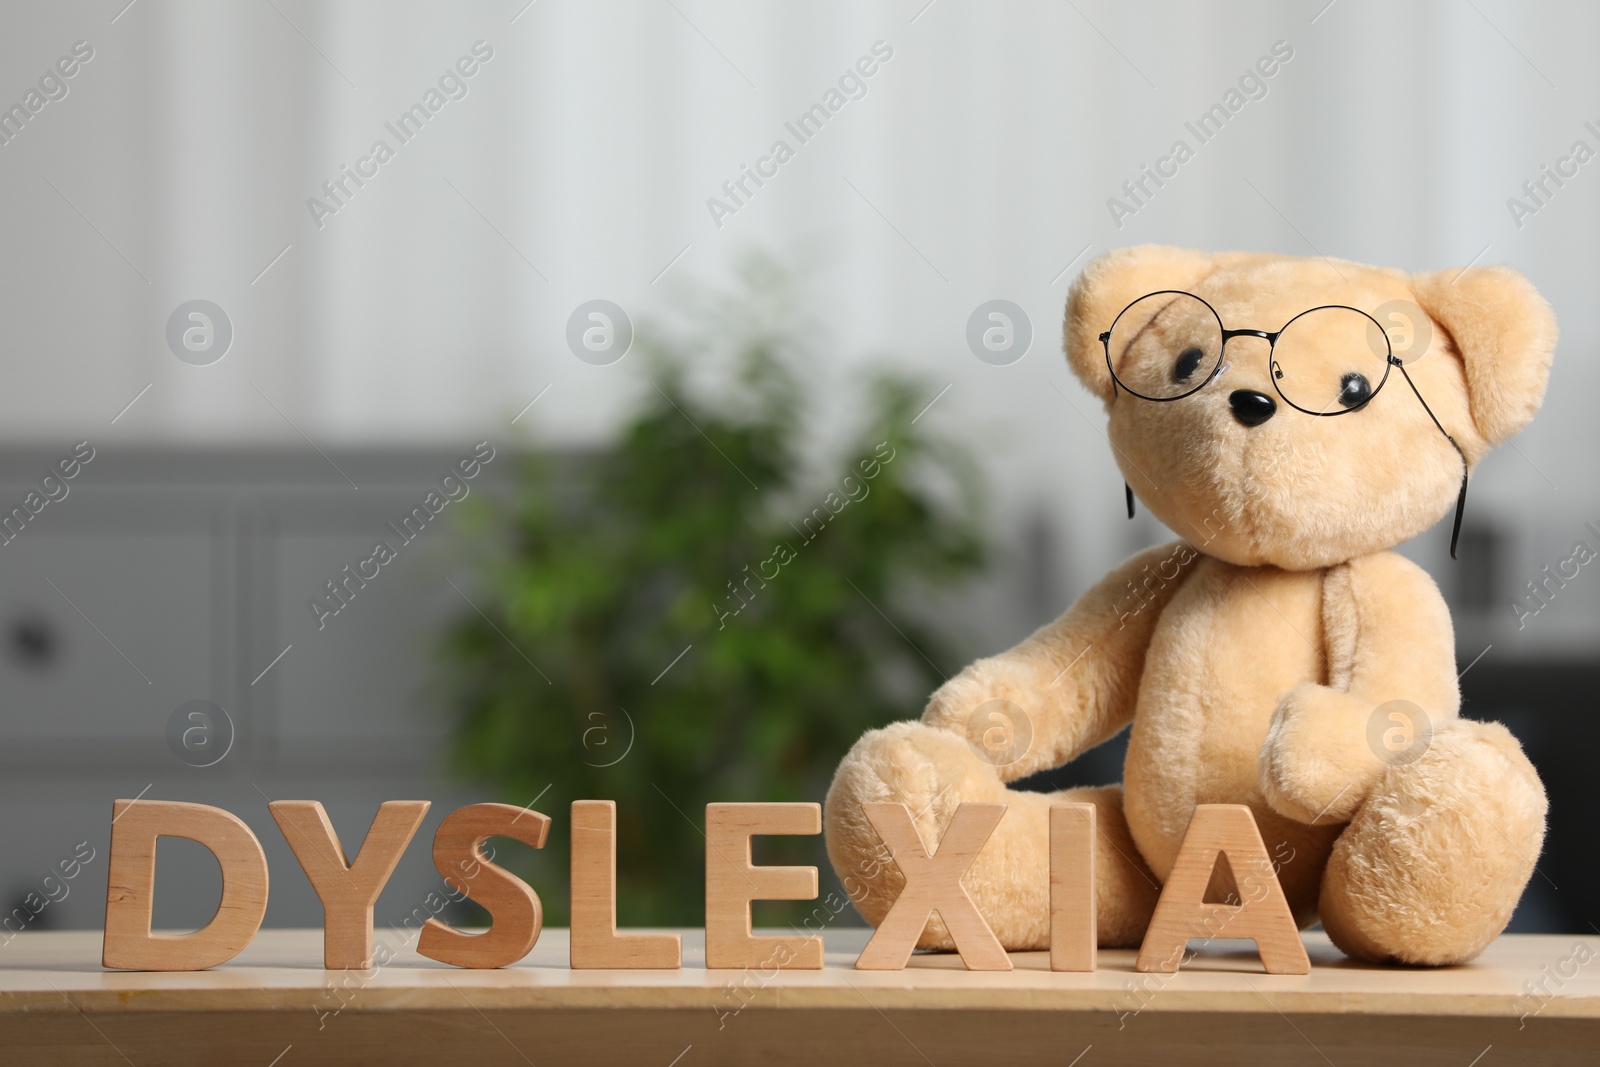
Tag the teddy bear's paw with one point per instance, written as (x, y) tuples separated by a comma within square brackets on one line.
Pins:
[(1316, 765), (930, 771), (1000, 707), (1435, 861), (933, 772), (958, 705)]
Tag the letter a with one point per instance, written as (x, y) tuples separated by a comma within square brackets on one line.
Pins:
[(719, 209), (319, 211), (1263, 915)]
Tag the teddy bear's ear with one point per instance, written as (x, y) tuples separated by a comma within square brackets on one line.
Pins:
[(1112, 282), (1505, 333)]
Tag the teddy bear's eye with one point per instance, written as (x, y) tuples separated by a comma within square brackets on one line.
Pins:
[(1188, 363), (1354, 390)]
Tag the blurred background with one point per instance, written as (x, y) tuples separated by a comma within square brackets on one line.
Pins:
[(581, 267)]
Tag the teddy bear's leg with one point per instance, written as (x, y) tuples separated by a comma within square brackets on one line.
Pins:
[(933, 771), (1433, 863)]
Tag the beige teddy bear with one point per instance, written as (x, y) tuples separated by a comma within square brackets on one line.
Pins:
[(1281, 655)]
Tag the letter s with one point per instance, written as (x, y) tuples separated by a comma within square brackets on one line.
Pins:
[(513, 906), (1283, 50), (883, 50), (83, 50), (483, 50)]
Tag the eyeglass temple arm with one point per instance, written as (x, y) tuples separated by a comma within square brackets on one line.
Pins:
[(1105, 340), (1461, 499)]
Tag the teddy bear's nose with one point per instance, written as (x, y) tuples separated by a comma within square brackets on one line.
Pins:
[(1250, 407)]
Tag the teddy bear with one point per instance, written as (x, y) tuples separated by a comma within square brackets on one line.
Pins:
[(1281, 655)]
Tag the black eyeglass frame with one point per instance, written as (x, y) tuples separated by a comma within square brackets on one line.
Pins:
[(1391, 361)]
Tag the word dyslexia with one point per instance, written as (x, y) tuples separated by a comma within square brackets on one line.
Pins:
[(932, 882)]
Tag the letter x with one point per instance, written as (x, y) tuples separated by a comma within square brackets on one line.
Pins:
[(933, 883)]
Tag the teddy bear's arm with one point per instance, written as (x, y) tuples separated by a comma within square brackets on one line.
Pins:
[(1388, 638), (1075, 679)]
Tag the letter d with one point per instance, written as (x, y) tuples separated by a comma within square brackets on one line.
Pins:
[(135, 826)]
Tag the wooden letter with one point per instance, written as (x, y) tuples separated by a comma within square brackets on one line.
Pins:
[(1262, 915), (733, 881), (516, 916), (933, 883), (347, 890), (1072, 903), (135, 824), (595, 941)]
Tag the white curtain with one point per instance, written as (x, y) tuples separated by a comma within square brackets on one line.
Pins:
[(978, 164)]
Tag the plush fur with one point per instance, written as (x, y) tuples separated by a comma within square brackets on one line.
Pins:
[(1252, 657)]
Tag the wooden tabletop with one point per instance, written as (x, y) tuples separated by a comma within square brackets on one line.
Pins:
[(1527, 1000)]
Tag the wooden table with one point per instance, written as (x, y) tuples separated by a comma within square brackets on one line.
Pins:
[(275, 1005)]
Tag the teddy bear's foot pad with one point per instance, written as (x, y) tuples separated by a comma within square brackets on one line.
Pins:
[(1431, 867)]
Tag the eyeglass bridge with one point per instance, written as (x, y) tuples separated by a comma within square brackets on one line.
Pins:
[(1270, 338)]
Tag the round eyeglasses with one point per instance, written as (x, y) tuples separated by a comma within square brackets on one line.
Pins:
[(1328, 360)]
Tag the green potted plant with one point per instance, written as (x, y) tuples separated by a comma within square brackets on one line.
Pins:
[(695, 612)]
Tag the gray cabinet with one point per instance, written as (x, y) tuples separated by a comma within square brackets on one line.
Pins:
[(188, 574)]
